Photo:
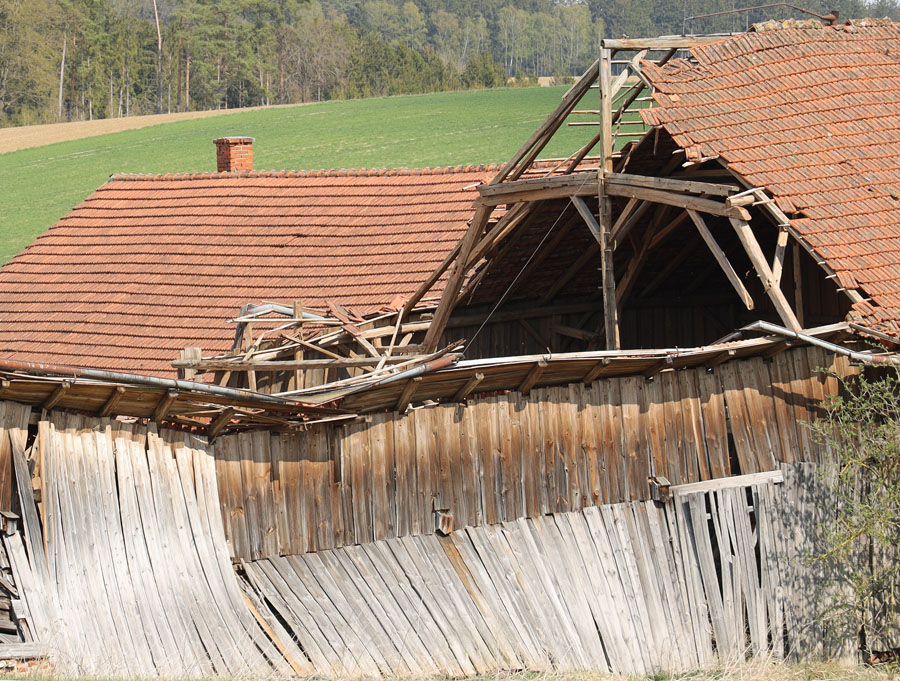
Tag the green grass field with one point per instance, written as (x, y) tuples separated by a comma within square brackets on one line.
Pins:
[(41, 184)]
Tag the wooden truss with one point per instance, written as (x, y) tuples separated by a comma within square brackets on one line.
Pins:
[(522, 183)]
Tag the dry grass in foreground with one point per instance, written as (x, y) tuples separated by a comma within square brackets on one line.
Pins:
[(752, 670)]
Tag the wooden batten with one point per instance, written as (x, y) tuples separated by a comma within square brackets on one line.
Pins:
[(58, 393), (164, 405), (532, 377), (109, 407), (408, 392), (469, 387)]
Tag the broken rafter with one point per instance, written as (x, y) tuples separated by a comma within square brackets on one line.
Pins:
[(499, 231), (455, 280), (778, 260), (529, 151)]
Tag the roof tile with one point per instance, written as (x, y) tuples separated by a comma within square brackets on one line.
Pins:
[(812, 115), (150, 264)]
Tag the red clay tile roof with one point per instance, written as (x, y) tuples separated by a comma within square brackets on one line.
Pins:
[(148, 265), (812, 115)]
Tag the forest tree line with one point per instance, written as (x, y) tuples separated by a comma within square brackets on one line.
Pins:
[(85, 59)]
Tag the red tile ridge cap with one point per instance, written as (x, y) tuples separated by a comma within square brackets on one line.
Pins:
[(334, 172)]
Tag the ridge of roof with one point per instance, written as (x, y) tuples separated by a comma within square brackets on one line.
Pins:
[(333, 172)]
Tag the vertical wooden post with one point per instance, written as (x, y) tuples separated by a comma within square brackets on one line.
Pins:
[(798, 283), (607, 274), (297, 383), (190, 353)]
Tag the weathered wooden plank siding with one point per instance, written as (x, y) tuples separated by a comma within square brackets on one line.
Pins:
[(503, 457), (632, 588), (140, 579)]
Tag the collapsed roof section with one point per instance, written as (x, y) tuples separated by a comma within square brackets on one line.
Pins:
[(812, 115), (149, 265), (763, 162)]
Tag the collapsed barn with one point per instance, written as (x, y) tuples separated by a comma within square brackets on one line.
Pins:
[(549, 414)]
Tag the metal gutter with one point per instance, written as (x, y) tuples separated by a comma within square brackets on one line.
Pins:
[(136, 379), (862, 357)]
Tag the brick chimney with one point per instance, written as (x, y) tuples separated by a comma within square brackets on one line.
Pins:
[(234, 153)]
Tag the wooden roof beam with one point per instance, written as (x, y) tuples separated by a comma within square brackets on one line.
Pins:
[(58, 393), (109, 406), (674, 199), (164, 405), (761, 265), (455, 280), (407, 394), (535, 144), (596, 371), (675, 42), (673, 184), (219, 423), (538, 188), (532, 377), (722, 259), (469, 387)]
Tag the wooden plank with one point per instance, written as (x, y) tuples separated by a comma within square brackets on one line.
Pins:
[(679, 200), (671, 184)]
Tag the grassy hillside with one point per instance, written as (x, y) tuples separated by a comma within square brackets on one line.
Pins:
[(41, 184)]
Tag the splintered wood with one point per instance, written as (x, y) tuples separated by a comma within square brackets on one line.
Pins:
[(510, 456)]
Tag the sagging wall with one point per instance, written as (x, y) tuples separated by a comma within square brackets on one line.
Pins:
[(707, 578), (500, 458), (127, 571)]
